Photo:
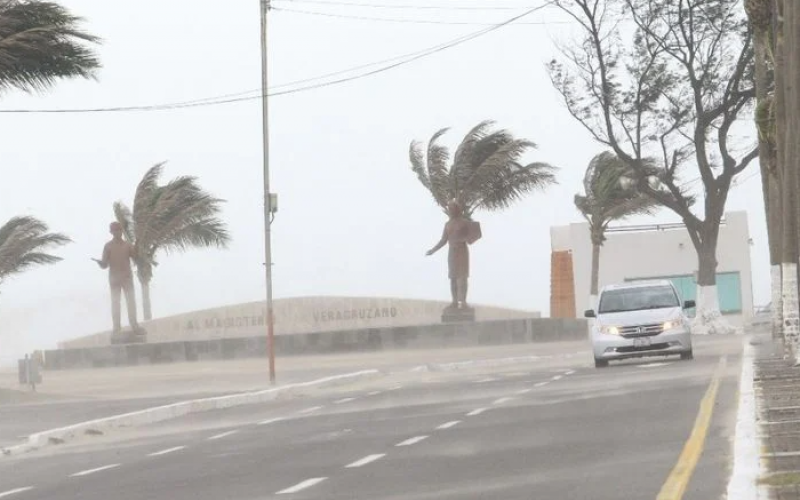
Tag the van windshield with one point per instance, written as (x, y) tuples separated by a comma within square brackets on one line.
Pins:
[(638, 299)]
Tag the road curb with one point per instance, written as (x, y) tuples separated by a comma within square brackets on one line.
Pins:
[(175, 410), (743, 483)]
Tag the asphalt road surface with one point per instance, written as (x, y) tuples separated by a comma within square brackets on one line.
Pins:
[(555, 429), (72, 396)]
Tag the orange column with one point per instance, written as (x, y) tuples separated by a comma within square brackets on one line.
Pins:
[(562, 285)]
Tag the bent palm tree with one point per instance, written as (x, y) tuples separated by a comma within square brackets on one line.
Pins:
[(485, 171), (608, 198), (23, 245), (172, 217), (40, 43)]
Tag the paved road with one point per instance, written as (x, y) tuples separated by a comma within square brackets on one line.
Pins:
[(556, 429), (73, 396)]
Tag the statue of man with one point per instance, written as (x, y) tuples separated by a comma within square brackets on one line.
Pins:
[(117, 256), (458, 232)]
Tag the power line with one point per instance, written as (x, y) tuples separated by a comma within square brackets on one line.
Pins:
[(242, 96), (398, 20), (407, 7)]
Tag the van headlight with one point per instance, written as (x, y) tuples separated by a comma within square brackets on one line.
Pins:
[(609, 330), (669, 325)]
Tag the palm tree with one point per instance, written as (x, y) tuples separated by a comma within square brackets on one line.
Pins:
[(23, 245), (172, 217), (40, 43), (610, 196), (485, 172)]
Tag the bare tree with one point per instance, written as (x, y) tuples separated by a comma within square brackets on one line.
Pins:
[(675, 94)]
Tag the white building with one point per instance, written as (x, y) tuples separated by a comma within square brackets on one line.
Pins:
[(635, 253)]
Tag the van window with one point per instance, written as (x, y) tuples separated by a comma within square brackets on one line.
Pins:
[(638, 298)]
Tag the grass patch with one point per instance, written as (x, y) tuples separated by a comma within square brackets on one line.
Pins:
[(781, 479)]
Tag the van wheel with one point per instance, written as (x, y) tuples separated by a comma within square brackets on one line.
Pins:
[(600, 363), (687, 355)]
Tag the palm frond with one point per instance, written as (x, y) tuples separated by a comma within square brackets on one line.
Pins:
[(124, 216), (417, 158), (172, 217), (466, 149), (486, 170), (210, 232), (513, 182), (23, 241), (606, 197), (438, 157), (41, 43), (492, 167), (144, 202)]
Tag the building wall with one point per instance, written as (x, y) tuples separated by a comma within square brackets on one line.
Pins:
[(562, 285), (298, 315), (646, 252)]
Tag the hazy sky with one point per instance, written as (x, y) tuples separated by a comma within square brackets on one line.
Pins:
[(353, 219)]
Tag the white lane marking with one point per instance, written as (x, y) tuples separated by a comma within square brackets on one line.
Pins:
[(15, 491), (374, 393), (308, 483), (343, 400), (450, 424), (746, 463), (476, 412), (366, 460), (652, 365), (223, 435), (395, 388), (271, 421), (524, 391), (571, 372), (92, 471), (485, 380), (558, 377), (410, 441), (311, 410), (168, 450), (540, 384), (502, 400)]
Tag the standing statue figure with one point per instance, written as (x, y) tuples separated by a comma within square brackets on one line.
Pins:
[(458, 232), (117, 256)]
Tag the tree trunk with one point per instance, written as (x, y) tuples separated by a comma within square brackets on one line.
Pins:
[(593, 291), (769, 182), (792, 106), (708, 320), (789, 299), (146, 309), (774, 228)]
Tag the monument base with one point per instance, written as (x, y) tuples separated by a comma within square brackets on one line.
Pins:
[(138, 336), (458, 315)]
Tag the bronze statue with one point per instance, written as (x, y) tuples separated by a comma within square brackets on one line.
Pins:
[(117, 256), (458, 232)]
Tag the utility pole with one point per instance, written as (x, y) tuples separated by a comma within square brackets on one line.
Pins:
[(264, 4)]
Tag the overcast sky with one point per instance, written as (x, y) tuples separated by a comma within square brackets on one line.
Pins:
[(353, 219)]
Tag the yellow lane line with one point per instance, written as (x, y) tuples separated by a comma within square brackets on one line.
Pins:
[(675, 486)]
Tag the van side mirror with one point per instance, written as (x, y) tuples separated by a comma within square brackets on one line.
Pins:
[(689, 304), (589, 313)]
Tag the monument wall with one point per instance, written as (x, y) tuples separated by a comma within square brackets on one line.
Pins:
[(298, 316)]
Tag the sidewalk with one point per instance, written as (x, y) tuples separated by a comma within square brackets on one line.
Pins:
[(777, 389)]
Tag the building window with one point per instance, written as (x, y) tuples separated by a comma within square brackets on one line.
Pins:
[(729, 290)]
